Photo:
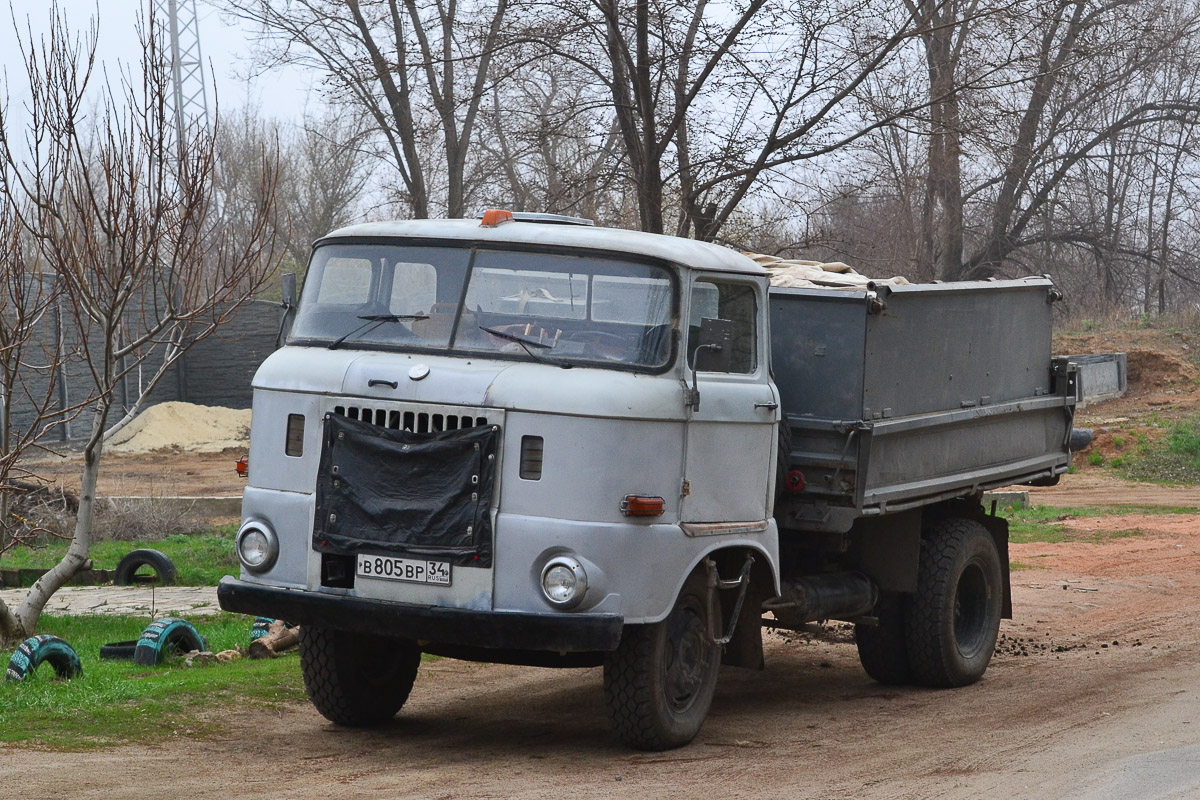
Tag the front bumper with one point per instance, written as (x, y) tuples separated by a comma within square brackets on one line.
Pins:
[(500, 630)]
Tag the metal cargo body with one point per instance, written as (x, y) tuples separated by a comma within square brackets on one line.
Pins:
[(900, 396)]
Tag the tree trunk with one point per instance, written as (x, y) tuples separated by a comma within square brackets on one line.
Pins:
[(279, 639), (22, 623)]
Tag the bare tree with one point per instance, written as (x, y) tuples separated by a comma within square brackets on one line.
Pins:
[(1020, 83), (320, 182), (715, 104), (548, 142), (121, 211), (419, 71)]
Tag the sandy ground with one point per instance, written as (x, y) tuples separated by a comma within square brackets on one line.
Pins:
[(1094, 693), (1092, 489), (160, 474)]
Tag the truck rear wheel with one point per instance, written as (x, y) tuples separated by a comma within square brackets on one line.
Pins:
[(882, 648), (354, 679), (659, 682), (954, 617)]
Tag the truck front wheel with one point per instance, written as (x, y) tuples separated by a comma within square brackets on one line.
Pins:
[(954, 617), (354, 679), (660, 680)]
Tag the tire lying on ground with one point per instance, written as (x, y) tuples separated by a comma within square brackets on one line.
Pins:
[(261, 627), (36, 650), (165, 637), (118, 651), (163, 567)]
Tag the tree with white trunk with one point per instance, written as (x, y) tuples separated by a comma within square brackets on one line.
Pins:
[(122, 212)]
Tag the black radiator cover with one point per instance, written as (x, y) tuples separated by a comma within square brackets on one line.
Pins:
[(428, 495)]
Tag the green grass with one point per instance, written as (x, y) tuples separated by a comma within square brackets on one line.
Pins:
[(201, 558), (1174, 459), (1044, 523), (1184, 440), (117, 702)]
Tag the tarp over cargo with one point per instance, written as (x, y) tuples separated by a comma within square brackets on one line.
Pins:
[(794, 273)]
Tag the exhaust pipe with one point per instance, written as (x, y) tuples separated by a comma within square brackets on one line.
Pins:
[(837, 595)]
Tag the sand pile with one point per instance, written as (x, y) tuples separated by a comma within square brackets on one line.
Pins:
[(183, 426)]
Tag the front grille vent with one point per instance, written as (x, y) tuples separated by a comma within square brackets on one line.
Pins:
[(411, 421)]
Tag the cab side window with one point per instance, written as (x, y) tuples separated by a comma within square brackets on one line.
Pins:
[(734, 303)]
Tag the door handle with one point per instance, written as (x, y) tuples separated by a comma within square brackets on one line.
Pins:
[(380, 382), (768, 406)]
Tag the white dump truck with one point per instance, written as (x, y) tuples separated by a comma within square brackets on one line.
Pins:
[(525, 439)]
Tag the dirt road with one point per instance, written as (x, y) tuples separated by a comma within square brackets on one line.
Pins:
[(1094, 693)]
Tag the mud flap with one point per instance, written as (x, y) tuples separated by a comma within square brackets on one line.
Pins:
[(998, 528)]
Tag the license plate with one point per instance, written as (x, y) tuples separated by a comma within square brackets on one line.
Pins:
[(409, 570)]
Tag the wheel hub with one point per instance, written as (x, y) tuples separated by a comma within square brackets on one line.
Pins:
[(689, 655), (970, 609)]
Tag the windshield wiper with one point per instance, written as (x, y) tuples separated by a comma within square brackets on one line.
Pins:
[(373, 321), (512, 337), (526, 344)]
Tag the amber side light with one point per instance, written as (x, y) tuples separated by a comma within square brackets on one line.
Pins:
[(637, 505)]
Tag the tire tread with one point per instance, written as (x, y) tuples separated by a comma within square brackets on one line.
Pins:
[(629, 693), (323, 655)]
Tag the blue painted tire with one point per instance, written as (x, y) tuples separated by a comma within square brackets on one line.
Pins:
[(260, 628), (165, 637), (36, 650)]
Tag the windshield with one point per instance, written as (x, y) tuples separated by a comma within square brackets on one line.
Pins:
[(563, 309)]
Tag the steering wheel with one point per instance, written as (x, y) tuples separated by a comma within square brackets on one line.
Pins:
[(598, 342), (598, 337)]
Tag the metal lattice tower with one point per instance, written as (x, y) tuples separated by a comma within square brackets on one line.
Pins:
[(189, 100)]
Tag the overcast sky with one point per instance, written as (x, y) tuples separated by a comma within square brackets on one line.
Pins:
[(225, 47)]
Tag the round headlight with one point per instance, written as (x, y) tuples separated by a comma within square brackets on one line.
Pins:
[(257, 546), (564, 583)]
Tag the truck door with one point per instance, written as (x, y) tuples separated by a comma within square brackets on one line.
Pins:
[(729, 466)]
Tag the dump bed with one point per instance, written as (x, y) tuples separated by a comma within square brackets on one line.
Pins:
[(903, 395)]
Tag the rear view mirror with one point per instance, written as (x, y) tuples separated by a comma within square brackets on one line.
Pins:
[(289, 289)]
